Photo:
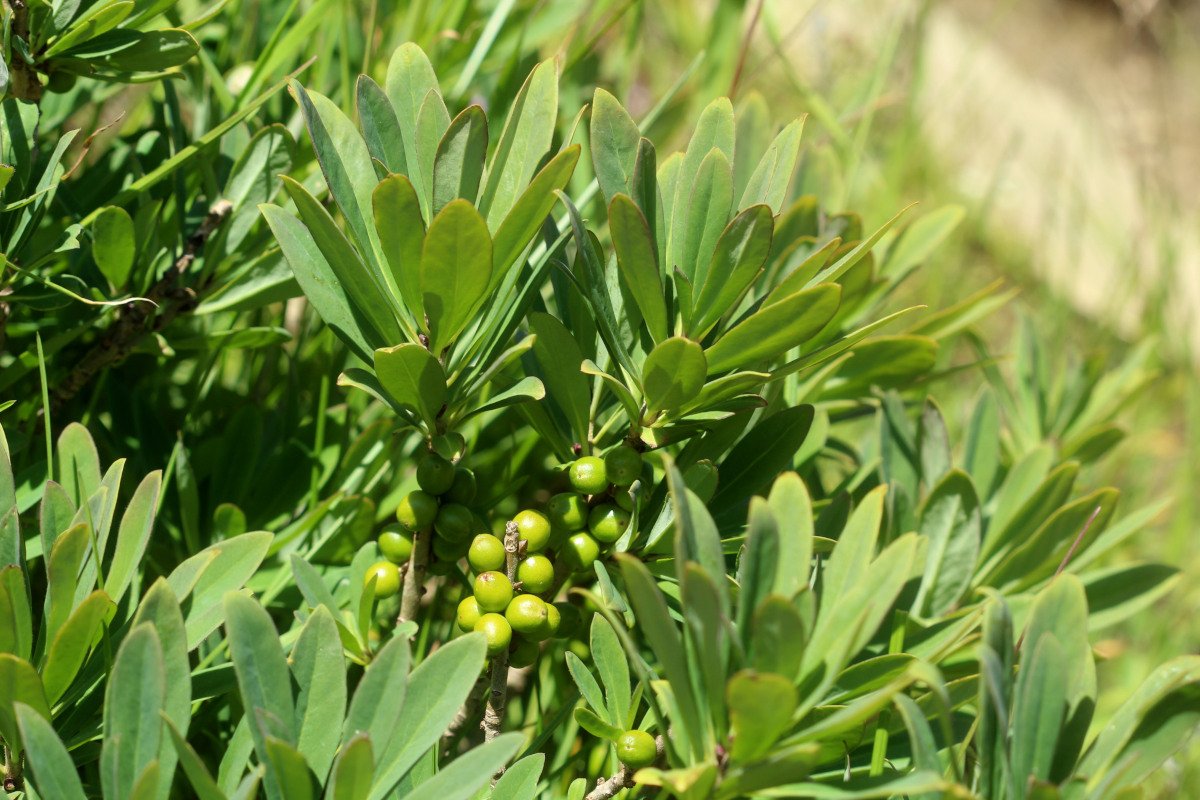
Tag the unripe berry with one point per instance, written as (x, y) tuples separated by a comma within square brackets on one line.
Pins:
[(462, 490), (534, 530), (527, 616), (494, 591), (417, 510), (486, 553), (454, 522), (497, 632), (607, 522), (387, 579), (468, 614), (636, 749), (523, 654), (623, 465), (580, 552), (588, 475), (553, 620), (567, 511), (435, 474), (536, 574), (395, 544)]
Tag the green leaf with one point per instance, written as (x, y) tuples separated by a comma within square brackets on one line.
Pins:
[(352, 771), (124, 50), (885, 362), (133, 535), (527, 134), (778, 635), (70, 548), (593, 724), (381, 130), (72, 643), (223, 567), (522, 391), (287, 766), (97, 20), (864, 787), (767, 450), (775, 329), (16, 618), (849, 561), (320, 672), (637, 260), (12, 549), (461, 778), (78, 464), (789, 501), (113, 245), (611, 664), (952, 523), (22, 685), (560, 358), (198, 775), (708, 213), (1038, 710), (738, 258), (521, 779), (410, 79), (432, 121), (413, 378), (401, 230), (160, 608), (1117, 593), (53, 769), (589, 688), (672, 374), (714, 130), (380, 695), (133, 703), (614, 140), (920, 239), (437, 688), (458, 165), (760, 711), (759, 564), (769, 182), (456, 264)]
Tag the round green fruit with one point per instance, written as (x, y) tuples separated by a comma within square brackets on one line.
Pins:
[(588, 475), (580, 552), (527, 616), (387, 579), (494, 591), (61, 82), (623, 465), (417, 510), (497, 631), (462, 490), (435, 474), (553, 620), (395, 543), (607, 522), (636, 749), (468, 614), (523, 654), (454, 522), (536, 574), (534, 530), (486, 553), (567, 511)]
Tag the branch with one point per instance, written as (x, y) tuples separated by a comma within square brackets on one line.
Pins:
[(607, 789), (25, 84), (137, 316), (493, 715), (414, 577)]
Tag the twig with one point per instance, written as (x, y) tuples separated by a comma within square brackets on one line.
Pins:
[(493, 715), (25, 84), (138, 316), (745, 49), (414, 577), (623, 779)]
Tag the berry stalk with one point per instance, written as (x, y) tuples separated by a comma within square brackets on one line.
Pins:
[(493, 715)]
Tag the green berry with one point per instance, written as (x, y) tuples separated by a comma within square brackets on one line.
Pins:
[(435, 474), (447, 550), (387, 579), (417, 510), (570, 620), (588, 475), (527, 616), (623, 465), (468, 614), (486, 553), (462, 490), (497, 631), (553, 620), (534, 530), (494, 591), (395, 543), (536, 574), (454, 522), (636, 749), (61, 82), (607, 522), (524, 654), (567, 511), (580, 552)]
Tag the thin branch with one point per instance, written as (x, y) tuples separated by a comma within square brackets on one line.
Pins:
[(138, 317), (623, 779), (414, 577), (24, 84), (493, 715), (745, 50)]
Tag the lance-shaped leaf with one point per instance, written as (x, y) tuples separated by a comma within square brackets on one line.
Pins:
[(737, 260), (410, 79), (72, 643), (54, 772), (775, 329), (414, 379), (769, 182), (560, 358), (760, 710), (951, 521), (21, 685), (456, 264), (113, 245), (458, 164), (397, 215), (614, 141), (714, 131), (672, 374), (381, 127), (708, 213), (637, 259), (133, 703)]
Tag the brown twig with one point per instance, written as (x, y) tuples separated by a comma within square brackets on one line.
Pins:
[(24, 83), (623, 779), (414, 577), (493, 715), (167, 299)]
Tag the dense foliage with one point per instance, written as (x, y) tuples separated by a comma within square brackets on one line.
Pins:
[(446, 433)]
